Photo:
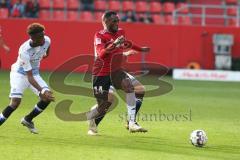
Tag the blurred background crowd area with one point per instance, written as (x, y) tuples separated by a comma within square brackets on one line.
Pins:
[(182, 12)]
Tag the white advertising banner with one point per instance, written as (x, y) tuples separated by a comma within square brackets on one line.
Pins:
[(206, 75)]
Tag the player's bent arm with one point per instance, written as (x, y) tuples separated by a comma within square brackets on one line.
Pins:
[(107, 48), (32, 81)]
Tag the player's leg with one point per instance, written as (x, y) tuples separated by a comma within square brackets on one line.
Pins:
[(41, 105), (134, 91), (14, 103), (111, 100), (122, 81), (18, 84), (101, 85), (139, 90), (93, 123)]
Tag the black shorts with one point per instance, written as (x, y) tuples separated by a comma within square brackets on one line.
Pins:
[(103, 83)]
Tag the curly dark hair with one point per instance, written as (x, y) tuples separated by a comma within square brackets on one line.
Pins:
[(108, 14), (35, 28)]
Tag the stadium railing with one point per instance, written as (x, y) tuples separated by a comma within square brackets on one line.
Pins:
[(230, 14)]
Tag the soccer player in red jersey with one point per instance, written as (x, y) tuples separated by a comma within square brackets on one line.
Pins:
[(111, 47)]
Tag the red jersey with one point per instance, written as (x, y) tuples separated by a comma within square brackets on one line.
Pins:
[(106, 63)]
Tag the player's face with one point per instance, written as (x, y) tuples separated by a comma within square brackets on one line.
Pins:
[(112, 23), (38, 39)]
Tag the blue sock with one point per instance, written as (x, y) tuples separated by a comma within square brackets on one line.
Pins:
[(39, 107), (138, 105)]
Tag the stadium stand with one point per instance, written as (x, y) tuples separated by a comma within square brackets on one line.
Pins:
[(191, 12), (73, 4), (4, 13), (114, 5)]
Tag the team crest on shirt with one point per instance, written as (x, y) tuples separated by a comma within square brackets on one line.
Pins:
[(22, 63)]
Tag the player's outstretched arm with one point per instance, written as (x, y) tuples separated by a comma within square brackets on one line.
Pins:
[(140, 49), (130, 52)]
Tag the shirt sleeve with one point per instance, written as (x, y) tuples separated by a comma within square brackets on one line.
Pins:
[(99, 44), (25, 62), (47, 39), (136, 47)]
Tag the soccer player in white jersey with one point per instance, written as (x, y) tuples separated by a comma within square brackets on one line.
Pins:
[(25, 74)]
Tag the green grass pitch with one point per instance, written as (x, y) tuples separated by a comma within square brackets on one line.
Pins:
[(214, 106)]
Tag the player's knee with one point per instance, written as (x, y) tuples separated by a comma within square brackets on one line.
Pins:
[(15, 102), (127, 86), (103, 107), (110, 97), (46, 100), (140, 89)]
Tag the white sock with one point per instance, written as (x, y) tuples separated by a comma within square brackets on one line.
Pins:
[(2, 116), (93, 113), (131, 106)]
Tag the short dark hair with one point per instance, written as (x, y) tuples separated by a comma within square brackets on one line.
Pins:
[(108, 14), (35, 28)]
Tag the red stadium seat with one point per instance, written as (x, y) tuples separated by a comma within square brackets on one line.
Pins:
[(168, 19), (72, 15), (4, 13), (215, 11), (45, 3), (59, 4), (232, 11), (73, 4), (195, 11), (114, 5), (127, 6), (232, 22), (155, 7), (86, 16), (58, 15), (196, 21), (141, 6), (98, 16), (231, 2), (168, 7), (184, 20), (100, 5), (215, 21), (157, 19), (183, 8), (44, 14)]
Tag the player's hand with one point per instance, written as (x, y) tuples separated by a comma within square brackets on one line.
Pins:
[(47, 95), (119, 41), (145, 49), (130, 52), (6, 48)]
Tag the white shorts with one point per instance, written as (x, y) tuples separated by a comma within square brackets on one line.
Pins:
[(133, 79), (19, 83)]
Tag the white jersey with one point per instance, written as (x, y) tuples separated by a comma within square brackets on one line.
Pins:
[(29, 57)]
